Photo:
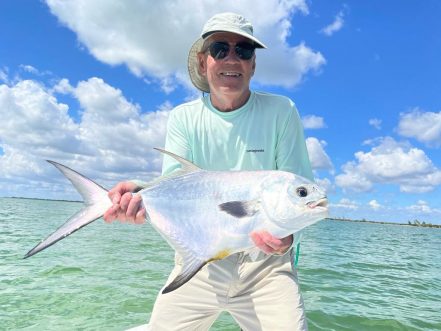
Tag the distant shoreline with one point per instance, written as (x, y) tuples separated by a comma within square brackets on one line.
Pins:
[(341, 219), (61, 200), (409, 223)]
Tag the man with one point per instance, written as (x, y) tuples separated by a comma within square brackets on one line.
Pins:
[(230, 128)]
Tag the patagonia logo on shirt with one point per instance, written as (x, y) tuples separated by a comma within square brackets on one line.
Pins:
[(255, 150)]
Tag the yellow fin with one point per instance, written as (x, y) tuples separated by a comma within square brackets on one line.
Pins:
[(220, 255)]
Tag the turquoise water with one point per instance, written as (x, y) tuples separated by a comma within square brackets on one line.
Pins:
[(354, 276)]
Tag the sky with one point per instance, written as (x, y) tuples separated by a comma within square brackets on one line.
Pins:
[(90, 84)]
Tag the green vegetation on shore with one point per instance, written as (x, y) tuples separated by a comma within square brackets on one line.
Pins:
[(423, 224), (411, 223)]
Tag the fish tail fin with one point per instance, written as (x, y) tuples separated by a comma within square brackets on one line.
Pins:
[(96, 203), (90, 191)]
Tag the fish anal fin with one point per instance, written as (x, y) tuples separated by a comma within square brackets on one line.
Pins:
[(188, 271), (240, 209)]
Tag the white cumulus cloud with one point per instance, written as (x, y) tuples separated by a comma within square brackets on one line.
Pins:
[(390, 162), (313, 122), (335, 26), (423, 126), (152, 38), (376, 123), (325, 183), (345, 203), (112, 140), (317, 155), (4, 76), (422, 206), (33, 120), (29, 68), (374, 205)]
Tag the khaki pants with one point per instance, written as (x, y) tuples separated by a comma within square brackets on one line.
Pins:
[(260, 295)]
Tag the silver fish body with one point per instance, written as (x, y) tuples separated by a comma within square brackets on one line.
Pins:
[(208, 215)]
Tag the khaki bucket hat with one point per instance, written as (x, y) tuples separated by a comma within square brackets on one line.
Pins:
[(224, 22)]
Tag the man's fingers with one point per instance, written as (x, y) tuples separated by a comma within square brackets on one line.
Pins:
[(264, 237), (258, 241), (133, 206), (256, 237), (111, 214), (127, 207), (140, 216), (115, 194), (271, 241), (115, 197), (267, 242), (125, 201)]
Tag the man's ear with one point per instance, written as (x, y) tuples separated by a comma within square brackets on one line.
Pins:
[(202, 64), (253, 68)]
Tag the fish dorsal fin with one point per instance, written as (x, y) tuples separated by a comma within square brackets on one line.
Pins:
[(240, 209), (186, 166), (190, 268)]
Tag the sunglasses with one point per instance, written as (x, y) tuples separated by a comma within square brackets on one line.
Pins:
[(219, 50)]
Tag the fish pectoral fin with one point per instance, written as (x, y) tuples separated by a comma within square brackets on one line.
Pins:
[(189, 269), (241, 209)]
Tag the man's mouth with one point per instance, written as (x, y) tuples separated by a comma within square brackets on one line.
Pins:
[(230, 74)]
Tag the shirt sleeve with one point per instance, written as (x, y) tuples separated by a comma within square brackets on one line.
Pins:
[(291, 152), (176, 141)]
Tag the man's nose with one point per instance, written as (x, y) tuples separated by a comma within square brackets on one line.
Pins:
[(232, 56)]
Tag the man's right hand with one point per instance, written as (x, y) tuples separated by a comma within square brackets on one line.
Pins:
[(127, 207)]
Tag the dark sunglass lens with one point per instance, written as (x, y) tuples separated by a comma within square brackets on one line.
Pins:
[(245, 51), (219, 50)]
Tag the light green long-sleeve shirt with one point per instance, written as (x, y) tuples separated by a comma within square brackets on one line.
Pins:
[(265, 134)]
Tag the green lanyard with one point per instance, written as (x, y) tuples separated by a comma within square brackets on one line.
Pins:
[(296, 258)]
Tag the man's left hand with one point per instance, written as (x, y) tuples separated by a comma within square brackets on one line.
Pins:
[(270, 244)]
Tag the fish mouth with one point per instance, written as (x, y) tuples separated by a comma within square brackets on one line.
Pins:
[(321, 203)]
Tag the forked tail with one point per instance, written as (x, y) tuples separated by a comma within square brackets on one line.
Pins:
[(96, 202)]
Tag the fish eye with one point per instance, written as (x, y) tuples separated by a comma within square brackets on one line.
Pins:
[(302, 191)]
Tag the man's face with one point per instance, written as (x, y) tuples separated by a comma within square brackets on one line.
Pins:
[(229, 76)]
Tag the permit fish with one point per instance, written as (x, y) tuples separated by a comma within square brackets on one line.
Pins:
[(207, 215)]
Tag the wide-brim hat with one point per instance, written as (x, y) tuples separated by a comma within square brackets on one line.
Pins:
[(224, 22)]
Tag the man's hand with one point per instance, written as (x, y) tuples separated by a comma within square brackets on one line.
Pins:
[(270, 244), (127, 207)]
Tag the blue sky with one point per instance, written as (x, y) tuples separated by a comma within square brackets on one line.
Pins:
[(90, 84)]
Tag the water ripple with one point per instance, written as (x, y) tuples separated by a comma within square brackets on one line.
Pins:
[(353, 276)]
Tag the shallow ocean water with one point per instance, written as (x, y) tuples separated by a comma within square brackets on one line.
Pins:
[(354, 276)]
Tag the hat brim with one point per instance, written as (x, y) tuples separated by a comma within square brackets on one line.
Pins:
[(256, 41), (196, 78)]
